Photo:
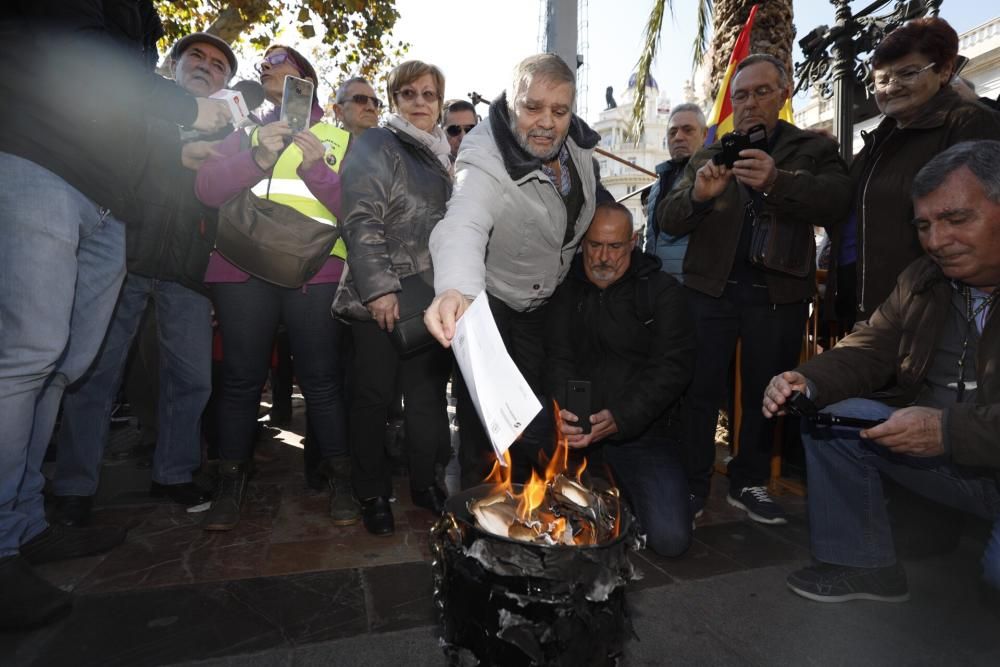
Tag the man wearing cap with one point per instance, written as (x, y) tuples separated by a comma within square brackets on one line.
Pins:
[(169, 236)]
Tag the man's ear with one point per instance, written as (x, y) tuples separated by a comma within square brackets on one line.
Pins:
[(173, 68), (635, 239)]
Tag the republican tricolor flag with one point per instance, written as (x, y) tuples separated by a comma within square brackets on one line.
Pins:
[(720, 121)]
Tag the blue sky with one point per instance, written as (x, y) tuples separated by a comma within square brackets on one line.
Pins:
[(477, 42)]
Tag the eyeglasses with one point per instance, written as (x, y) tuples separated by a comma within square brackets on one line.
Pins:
[(276, 59), (410, 94), (363, 100), (759, 93), (907, 78), (455, 130)]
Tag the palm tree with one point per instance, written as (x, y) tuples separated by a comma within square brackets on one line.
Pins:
[(773, 33)]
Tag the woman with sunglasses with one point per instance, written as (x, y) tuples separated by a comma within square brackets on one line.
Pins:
[(923, 115), (299, 170), (395, 190)]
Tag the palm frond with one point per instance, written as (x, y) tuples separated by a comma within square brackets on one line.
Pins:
[(651, 43), (705, 12)]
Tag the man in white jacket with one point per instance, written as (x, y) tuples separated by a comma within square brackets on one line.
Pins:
[(526, 188)]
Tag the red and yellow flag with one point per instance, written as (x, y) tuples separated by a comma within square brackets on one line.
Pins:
[(720, 121)]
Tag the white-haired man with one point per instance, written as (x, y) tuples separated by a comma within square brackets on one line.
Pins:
[(526, 189)]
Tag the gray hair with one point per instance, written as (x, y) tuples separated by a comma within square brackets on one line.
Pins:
[(982, 158), (691, 107), (757, 58), (342, 88), (546, 66)]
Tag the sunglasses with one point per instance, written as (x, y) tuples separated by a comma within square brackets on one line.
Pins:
[(410, 94), (276, 59), (455, 130), (362, 100)]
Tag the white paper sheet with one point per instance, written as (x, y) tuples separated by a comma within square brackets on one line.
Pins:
[(502, 397)]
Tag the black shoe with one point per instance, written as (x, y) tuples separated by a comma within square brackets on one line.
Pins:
[(28, 600), (376, 513), (758, 505), (72, 510), (187, 494), (336, 472), (224, 513), (839, 583), (431, 498), (63, 542)]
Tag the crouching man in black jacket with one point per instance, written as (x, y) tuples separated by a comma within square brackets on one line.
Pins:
[(622, 324)]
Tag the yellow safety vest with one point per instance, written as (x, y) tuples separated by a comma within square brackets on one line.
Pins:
[(285, 186)]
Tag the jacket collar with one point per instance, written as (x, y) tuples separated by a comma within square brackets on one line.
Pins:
[(928, 276), (519, 162)]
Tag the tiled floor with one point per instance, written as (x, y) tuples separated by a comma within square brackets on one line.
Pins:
[(286, 577)]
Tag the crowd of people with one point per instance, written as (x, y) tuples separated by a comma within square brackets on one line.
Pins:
[(119, 202)]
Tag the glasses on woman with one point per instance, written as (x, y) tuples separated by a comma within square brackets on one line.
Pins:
[(907, 77), (275, 59), (410, 94)]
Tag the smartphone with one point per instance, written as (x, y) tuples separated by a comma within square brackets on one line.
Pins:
[(578, 402), (800, 405), (296, 103)]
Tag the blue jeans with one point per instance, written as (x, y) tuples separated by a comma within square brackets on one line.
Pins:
[(62, 260), (848, 521), (248, 315), (650, 472), (184, 333)]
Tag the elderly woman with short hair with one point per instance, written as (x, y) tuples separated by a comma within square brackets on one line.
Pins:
[(912, 67), (395, 188)]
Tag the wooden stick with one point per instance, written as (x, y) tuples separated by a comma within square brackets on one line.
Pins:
[(624, 161)]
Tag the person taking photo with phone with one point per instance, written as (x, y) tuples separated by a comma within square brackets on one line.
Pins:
[(299, 170)]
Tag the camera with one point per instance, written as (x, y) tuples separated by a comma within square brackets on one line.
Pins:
[(734, 142)]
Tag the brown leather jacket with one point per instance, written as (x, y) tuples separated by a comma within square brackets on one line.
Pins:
[(812, 189), (894, 349)]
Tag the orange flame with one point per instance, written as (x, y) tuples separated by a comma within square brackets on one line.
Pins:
[(531, 497), (499, 476), (579, 471)]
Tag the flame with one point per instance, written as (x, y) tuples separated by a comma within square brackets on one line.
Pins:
[(579, 471), (499, 476), (531, 497), (560, 458)]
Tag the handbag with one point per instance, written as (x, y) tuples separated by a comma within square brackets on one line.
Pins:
[(778, 246), (410, 334), (272, 241)]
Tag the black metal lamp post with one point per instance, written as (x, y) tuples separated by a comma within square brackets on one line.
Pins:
[(832, 56)]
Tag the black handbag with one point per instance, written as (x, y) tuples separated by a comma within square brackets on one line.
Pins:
[(410, 335), (783, 247), (272, 241)]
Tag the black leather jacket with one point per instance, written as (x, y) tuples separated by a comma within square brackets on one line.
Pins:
[(394, 191)]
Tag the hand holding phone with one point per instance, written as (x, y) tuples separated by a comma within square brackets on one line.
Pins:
[(578, 402)]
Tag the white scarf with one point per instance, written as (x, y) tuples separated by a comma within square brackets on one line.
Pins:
[(436, 141)]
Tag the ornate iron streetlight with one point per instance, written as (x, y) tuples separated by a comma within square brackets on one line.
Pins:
[(832, 61)]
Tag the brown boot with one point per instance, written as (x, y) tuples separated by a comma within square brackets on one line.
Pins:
[(225, 511), (344, 509)]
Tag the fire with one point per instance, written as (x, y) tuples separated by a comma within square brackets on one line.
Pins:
[(556, 508)]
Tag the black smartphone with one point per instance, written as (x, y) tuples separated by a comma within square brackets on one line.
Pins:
[(578, 402), (802, 406)]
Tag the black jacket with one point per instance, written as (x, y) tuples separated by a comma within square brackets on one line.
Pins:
[(77, 87), (394, 191), (169, 233), (637, 370), (812, 188)]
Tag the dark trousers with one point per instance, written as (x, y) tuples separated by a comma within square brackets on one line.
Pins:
[(248, 315), (523, 335), (772, 339), (423, 378)]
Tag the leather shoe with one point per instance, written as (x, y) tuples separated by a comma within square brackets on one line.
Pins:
[(376, 513), (64, 542), (431, 498), (72, 510), (187, 494), (28, 600)]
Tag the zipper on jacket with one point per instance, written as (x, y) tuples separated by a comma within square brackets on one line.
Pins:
[(864, 227)]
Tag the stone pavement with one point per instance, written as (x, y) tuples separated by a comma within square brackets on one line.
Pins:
[(288, 588)]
